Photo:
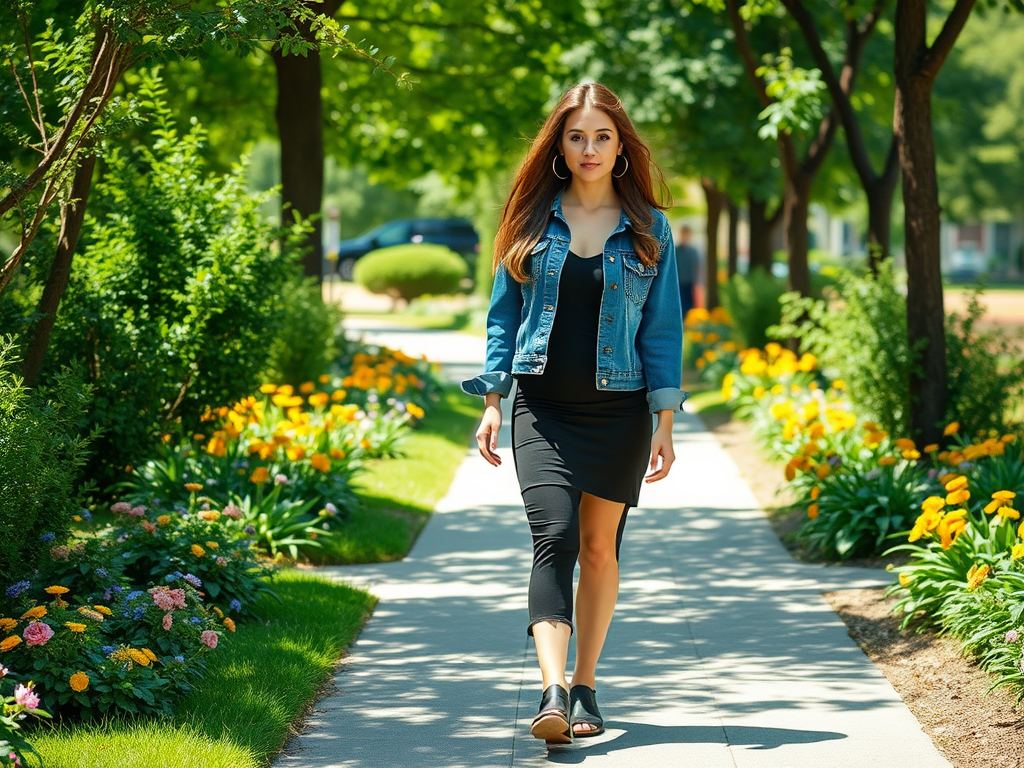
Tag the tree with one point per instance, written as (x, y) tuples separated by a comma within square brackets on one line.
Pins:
[(878, 186)]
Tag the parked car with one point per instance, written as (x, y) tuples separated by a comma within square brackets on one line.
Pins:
[(457, 234)]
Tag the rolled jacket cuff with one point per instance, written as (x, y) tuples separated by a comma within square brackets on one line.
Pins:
[(485, 383), (666, 399)]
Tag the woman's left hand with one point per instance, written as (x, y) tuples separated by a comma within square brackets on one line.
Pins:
[(661, 449)]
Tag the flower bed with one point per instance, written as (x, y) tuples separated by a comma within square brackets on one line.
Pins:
[(865, 491)]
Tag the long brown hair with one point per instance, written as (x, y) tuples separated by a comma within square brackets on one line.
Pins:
[(524, 219)]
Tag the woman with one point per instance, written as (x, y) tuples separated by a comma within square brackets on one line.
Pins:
[(585, 316)]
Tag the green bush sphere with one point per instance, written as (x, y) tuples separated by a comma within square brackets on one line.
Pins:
[(410, 271)]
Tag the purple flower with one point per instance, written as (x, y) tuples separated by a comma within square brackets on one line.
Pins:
[(102, 573), (196, 620), (16, 589), (280, 479), (47, 537), (179, 659), (1012, 636), (86, 515), (250, 529), (108, 649), (331, 509), (193, 580), (236, 605)]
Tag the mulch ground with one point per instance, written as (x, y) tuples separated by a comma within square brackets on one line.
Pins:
[(945, 691)]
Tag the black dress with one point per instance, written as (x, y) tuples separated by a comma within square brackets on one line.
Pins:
[(566, 431)]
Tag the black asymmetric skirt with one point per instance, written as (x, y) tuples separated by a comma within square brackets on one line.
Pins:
[(567, 432)]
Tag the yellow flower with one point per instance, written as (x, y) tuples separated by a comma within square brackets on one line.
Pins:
[(951, 526), (905, 444), (260, 475), (1004, 495), (904, 579), (993, 506), (1008, 438), (822, 471), (57, 590), (415, 411), (286, 389), (1008, 513), (139, 657), (267, 389), (956, 483), (89, 613), (759, 392), (320, 462), (886, 461), (230, 624), (812, 511), (958, 497), (295, 452), (217, 446), (928, 521), (211, 515), (35, 613), (976, 576), (933, 504), (931, 448), (198, 551), (75, 626), (839, 384), (952, 428), (212, 545), (103, 609), (9, 642), (6, 625), (193, 487), (164, 519), (911, 455), (319, 399), (1017, 552), (149, 654), (79, 682)]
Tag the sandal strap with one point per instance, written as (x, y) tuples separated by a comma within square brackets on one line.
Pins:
[(584, 706), (555, 700)]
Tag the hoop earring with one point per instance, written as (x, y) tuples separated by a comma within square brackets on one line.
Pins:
[(554, 170), (620, 175)]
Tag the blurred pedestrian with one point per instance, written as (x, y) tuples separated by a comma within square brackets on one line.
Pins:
[(585, 317), (688, 260)]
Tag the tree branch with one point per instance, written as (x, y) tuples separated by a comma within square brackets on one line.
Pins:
[(746, 52), (933, 60)]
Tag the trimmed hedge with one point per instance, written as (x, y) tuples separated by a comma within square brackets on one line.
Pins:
[(410, 271)]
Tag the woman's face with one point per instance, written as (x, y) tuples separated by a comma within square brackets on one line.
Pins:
[(590, 143)]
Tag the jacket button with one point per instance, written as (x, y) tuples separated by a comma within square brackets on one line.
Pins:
[(548, 307), (607, 350), (615, 286), (611, 259), (608, 319), (551, 273), (604, 382)]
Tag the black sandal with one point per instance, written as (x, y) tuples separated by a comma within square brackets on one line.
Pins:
[(583, 709), (552, 722)]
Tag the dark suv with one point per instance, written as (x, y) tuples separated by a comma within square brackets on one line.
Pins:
[(457, 234)]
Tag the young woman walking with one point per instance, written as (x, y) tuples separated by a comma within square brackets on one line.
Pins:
[(585, 317)]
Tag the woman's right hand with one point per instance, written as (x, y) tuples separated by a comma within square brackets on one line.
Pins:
[(487, 433)]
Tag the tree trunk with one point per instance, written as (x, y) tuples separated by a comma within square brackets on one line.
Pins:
[(72, 216), (714, 202), (760, 235), (880, 192), (299, 116), (798, 201), (925, 313), (733, 245)]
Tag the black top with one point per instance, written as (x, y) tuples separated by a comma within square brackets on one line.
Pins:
[(571, 368)]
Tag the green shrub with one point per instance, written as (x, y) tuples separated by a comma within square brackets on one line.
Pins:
[(985, 373), (409, 271), (752, 301), (859, 336), (308, 340), (41, 455), (175, 300)]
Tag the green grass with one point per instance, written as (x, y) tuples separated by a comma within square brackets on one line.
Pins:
[(259, 681), (399, 494), (709, 402)]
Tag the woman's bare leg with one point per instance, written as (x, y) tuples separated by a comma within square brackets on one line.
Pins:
[(552, 641), (598, 587)]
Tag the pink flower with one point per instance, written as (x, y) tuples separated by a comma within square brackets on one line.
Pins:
[(168, 599), (168, 619), (121, 508), (26, 696), (233, 512), (221, 561), (3, 671), (280, 479), (60, 552), (1012, 636), (137, 511), (37, 633), (15, 760), (210, 638)]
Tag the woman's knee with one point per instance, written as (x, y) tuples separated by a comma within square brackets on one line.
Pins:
[(597, 553)]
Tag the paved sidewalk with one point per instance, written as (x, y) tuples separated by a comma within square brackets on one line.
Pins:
[(722, 651)]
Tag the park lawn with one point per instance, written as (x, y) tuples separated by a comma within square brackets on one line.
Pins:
[(398, 495), (432, 321), (259, 681)]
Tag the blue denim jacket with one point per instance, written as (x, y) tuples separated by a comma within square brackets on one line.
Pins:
[(640, 336)]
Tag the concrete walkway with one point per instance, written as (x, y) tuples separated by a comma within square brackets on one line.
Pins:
[(722, 652)]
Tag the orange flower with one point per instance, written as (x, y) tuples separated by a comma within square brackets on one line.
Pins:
[(197, 550), (952, 428), (9, 642), (320, 462), (956, 483), (958, 497), (6, 625), (193, 487), (260, 475), (56, 590), (886, 461), (230, 624), (822, 471), (103, 609), (79, 682), (35, 613), (976, 576), (74, 626), (815, 493), (812, 511), (211, 515), (905, 444)]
